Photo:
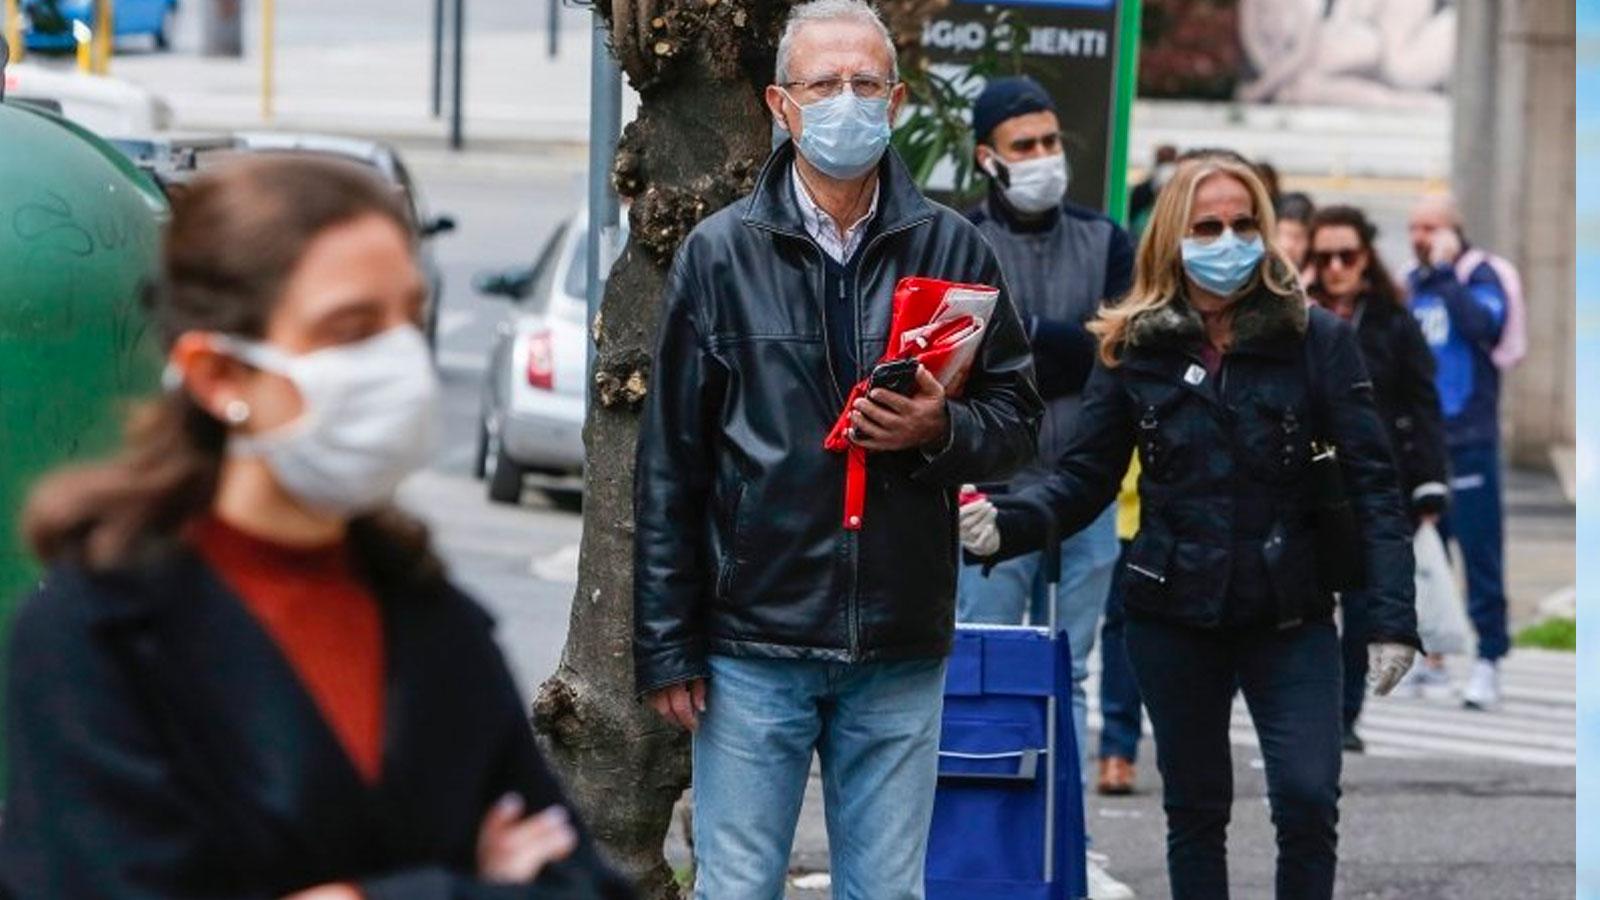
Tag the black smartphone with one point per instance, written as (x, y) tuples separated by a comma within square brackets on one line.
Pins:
[(899, 376)]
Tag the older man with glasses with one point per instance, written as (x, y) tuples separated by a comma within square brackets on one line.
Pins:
[(763, 624)]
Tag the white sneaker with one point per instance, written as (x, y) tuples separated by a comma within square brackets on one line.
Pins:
[(1101, 885), (1483, 686), (1423, 681)]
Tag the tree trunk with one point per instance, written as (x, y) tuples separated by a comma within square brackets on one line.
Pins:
[(700, 136), (702, 132)]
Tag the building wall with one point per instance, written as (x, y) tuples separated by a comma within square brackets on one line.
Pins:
[(1514, 174)]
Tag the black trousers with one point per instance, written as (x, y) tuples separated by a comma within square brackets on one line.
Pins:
[(1292, 684)]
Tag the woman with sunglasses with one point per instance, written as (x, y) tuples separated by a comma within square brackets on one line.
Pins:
[(245, 674), (1218, 373), (1350, 280)]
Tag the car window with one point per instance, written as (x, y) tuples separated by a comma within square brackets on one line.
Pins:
[(577, 280), (544, 271)]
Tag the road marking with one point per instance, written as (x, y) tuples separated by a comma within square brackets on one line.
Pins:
[(453, 321), (560, 567), (1535, 725), (462, 361)]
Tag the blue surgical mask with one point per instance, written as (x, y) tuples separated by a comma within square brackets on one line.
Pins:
[(1224, 265), (844, 136)]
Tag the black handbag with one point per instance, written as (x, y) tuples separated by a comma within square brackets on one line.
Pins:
[(1340, 563)]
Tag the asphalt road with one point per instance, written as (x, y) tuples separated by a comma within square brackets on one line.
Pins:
[(520, 562)]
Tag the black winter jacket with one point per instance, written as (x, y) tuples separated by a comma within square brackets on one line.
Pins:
[(1402, 368), (739, 547), (162, 748), (1226, 535)]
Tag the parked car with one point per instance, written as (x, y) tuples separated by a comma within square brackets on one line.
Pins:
[(535, 388), (48, 23), (102, 105), (386, 160)]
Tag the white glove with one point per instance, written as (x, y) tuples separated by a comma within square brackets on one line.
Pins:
[(1444, 246), (1387, 664), (980, 532)]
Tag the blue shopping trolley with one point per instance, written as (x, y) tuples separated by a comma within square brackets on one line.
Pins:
[(1008, 814)]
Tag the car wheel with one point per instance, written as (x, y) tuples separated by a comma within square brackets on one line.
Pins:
[(480, 458), (566, 501), (503, 473)]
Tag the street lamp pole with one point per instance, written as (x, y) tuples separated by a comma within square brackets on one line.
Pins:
[(455, 87)]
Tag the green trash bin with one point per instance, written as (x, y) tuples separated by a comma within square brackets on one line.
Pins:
[(80, 230)]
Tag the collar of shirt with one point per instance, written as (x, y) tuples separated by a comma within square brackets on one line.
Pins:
[(821, 226)]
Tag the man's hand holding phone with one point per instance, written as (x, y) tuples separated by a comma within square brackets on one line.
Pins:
[(895, 415)]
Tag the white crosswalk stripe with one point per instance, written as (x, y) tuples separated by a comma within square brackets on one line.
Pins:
[(1535, 724)]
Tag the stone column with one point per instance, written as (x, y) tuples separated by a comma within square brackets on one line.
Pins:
[(1514, 175)]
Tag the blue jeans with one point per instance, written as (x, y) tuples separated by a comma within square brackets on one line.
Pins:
[(1291, 682), (1088, 561), (1120, 706), (1475, 521), (875, 727)]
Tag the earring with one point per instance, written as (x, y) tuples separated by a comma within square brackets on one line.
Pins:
[(236, 412)]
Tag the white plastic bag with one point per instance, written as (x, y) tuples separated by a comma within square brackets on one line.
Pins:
[(1441, 617)]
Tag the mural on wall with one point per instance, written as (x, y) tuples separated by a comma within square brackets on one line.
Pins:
[(1395, 54)]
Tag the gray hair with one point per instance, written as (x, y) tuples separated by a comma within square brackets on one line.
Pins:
[(817, 11)]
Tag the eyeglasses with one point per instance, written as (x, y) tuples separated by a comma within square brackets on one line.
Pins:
[(1049, 142), (1347, 257), (867, 87), (1207, 230)]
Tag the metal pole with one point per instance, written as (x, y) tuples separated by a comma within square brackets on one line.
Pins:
[(555, 28), (14, 32), (438, 58), (268, 49), (105, 31), (455, 86), (605, 126)]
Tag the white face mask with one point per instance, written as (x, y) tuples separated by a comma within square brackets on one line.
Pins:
[(368, 418), (1032, 185)]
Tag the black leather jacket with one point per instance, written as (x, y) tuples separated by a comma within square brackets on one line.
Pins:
[(739, 546), (1226, 535)]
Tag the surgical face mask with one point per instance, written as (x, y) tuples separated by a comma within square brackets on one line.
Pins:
[(1032, 185), (1224, 265), (366, 422), (843, 136)]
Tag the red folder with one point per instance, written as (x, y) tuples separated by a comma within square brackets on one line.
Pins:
[(940, 324)]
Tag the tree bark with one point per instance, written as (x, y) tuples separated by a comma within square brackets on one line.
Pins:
[(699, 138), (702, 132)]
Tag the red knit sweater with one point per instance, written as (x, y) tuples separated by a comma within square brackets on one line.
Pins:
[(322, 618)]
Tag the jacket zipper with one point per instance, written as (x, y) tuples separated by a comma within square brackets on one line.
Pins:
[(852, 604)]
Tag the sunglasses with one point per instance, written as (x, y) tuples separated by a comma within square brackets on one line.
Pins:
[(1347, 258), (1208, 230)]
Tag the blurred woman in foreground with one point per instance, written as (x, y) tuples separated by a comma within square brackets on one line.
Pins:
[(245, 674)]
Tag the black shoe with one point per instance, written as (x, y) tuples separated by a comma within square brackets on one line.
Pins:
[(1353, 742)]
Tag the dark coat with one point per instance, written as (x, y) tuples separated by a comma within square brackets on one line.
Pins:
[(1061, 267), (1226, 534), (161, 746), (1402, 368), (739, 543)]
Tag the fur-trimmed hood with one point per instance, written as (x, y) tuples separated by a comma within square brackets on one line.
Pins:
[(1260, 317)]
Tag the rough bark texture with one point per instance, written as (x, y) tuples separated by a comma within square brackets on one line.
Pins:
[(701, 135)]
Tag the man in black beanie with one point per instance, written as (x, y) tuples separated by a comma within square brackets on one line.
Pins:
[(1061, 262)]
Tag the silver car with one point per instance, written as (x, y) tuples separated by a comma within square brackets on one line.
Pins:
[(531, 417)]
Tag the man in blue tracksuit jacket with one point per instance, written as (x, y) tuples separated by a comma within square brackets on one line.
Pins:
[(1462, 315)]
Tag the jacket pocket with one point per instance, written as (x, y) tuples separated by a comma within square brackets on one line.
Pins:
[(729, 563), (1147, 571)]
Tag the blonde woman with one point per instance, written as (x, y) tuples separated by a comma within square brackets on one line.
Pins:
[(1216, 371)]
